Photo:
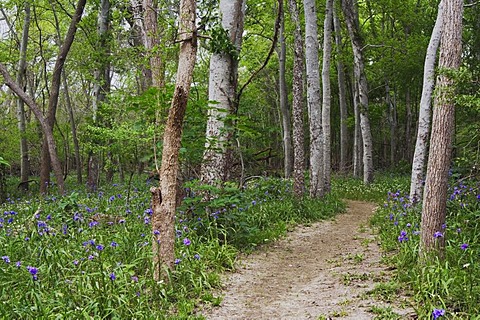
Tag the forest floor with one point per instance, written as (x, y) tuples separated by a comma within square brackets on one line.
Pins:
[(329, 269)]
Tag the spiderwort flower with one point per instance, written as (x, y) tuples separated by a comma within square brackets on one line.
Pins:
[(112, 276), (177, 261), (100, 247), (464, 246), (196, 256), (437, 313), (113, 244), (6, 259), (187, 242), (33, 271), (438, 234), (134, 278), (18, 264), (403, 236)]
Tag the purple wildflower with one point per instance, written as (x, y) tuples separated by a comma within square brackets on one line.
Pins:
[(6, 259), (438, 234), (437, 313), (112, 276), (464, 246), (187, 242)]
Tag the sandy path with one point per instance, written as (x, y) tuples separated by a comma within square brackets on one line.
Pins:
[(320, 271)]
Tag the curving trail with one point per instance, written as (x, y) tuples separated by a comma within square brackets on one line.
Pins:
[(319, 271)]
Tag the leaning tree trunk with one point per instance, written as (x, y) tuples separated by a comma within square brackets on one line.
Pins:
[(21, 74), (152, 42), (314, 106), (342, 94), (222, 90), (435, 197), (327, 52), (351, 18), (164, 197), (284, 109), (420, 155), (298, 135)]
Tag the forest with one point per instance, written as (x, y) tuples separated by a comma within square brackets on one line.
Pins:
[(147, 145)]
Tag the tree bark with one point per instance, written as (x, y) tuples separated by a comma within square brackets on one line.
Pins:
[(284, 108), (298, 135), (101, 87), (351, 18), (327, 52), (342, 94), (71, 118), (152, 39), (222, 90), (314, 98), (435, 197), (21, 75), (420, 154), (164, 197), (47, 156)]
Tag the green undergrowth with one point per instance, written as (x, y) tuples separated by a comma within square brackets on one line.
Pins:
[(88, 255), (446, 286)]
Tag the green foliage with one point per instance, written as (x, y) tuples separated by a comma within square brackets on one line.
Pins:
[(449, 283), (221, 43), (351, 188), (88, 255)]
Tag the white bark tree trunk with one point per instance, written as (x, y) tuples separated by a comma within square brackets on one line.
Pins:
[(327, 52), (222, 91), (314, 98), (298, 135), (351, 19), (443, 124), (284, 109), (342, 94), (420, 155)]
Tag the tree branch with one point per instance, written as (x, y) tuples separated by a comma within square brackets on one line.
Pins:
[(272, 49)]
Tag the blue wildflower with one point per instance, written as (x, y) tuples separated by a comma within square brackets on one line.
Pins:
[(112, 276), (6, 259), (464, 246), (186, 241), (437, 313), (438, 234)]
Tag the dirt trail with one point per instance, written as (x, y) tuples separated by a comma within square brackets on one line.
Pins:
[(319, 271)]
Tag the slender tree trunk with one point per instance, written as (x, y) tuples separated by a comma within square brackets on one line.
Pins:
[(327, 52), (71, 117), (21, 75), (164, 197), (392, 120), (152, 42), (351, 18), (420, 155), (408, 127), (285, 110), (222, 89), (342, 94), (314, 98), (101, 87), (357, 140), (298, 135), (435, 197)]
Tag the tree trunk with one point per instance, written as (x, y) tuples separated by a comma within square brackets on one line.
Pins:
[(101, 87), (327, 52), (76, 146), (392, 120), (222, 90), (357, 140), (314, 106), (420, 155), (285, 110), (435, 197), (21, 74), (351, 18), (298, 135), (342, 95), (164, 197), (152, 42)]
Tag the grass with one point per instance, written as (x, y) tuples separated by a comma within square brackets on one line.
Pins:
[(88, 255), (449, 284)]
